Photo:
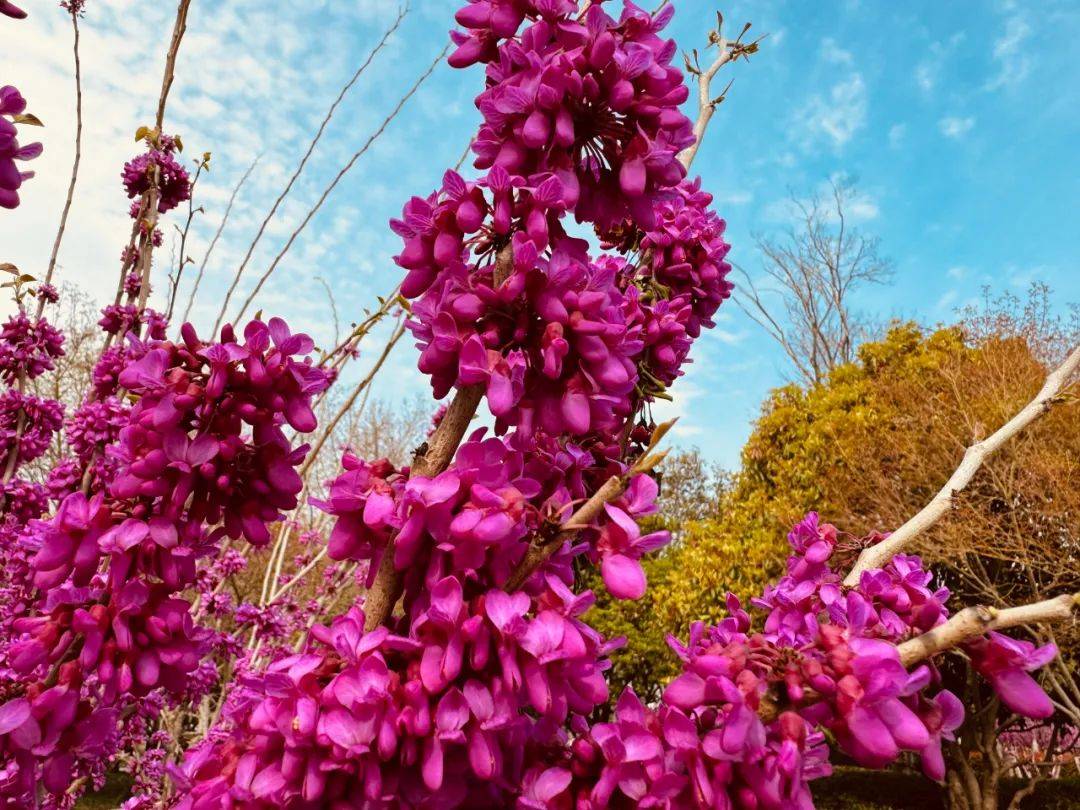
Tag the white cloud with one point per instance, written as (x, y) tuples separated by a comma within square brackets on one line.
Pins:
[(837, 117), (928, 70), (861, 206), (737, 197), (958, 272), (897, 133), (1012, 54), (831, 52), (946, 300), (955, 127)]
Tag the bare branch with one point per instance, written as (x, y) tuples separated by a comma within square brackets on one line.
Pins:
[(217, 235), (351, 400), (337, 179), (728, 51), (75, 164), (402, 11), (815, 267), (973, 622), (878, 555), (179, 28)]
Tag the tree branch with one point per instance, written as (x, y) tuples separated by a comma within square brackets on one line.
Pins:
[(878, 555), (432, 459), (972, 622), (729, 50)]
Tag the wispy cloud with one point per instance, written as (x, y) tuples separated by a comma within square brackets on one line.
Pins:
[(1011, 54), (833, 53), (929, 69), (946, 300), (955, 127), (897, 133), (836, 118), (861, 206)]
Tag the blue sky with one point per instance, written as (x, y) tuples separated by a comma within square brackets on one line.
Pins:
[(959, 120)]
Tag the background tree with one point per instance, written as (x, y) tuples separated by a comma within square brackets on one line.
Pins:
[(867, 448), (804, 300)]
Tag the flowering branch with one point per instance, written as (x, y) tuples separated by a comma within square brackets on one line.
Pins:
[(878, 555), (586, 516), (975, 621), (430, 460)]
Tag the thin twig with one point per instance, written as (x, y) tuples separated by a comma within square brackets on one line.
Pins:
[(351, 400), (337, 179), (217, 235), (192, 211), (75, 163), (402, 11)]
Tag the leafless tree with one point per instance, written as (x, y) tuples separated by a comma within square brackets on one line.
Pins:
[(803, 300)]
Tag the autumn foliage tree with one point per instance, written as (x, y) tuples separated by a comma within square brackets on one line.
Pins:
[(868, 447)]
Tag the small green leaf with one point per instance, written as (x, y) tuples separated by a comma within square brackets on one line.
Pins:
[(28, 119), (179, 143), (141, 133)]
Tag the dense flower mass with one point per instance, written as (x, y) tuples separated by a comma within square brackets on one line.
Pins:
[(158, 167), (478, 691), (479, 683), (28, 347), (12, 104), (200, 456), (27, 424)]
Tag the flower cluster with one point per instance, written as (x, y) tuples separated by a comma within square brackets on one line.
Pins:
[(380, 718), (582, 117), (200, 456), (28, 347), (157, 168), (12, 104), (27, 425)]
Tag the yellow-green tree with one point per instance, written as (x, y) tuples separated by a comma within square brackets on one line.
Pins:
[(866, 449)]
